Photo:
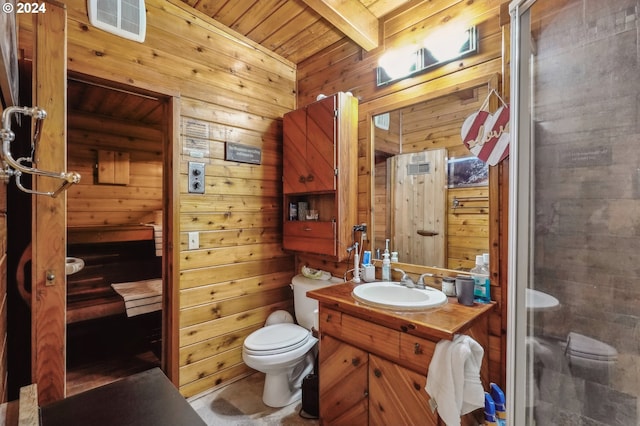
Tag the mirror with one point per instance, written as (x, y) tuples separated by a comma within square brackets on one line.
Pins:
[(430, 195)]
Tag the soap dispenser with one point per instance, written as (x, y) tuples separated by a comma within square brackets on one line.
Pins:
[(386, 267), (386, 263)]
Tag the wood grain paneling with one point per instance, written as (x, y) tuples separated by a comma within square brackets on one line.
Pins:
[(129, 197), (343, 67), (3, 293), (240, 91)]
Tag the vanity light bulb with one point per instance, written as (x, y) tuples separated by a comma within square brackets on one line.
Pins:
[(445, 44), (398, 63)]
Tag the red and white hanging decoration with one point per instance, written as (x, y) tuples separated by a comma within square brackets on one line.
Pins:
[(487, 135)]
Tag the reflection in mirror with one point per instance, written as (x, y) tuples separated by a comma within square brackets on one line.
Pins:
[(431, 195)]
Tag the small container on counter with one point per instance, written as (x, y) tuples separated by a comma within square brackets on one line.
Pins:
[(449, 286)]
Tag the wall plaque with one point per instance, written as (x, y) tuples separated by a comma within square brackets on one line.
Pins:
[(242, 153)]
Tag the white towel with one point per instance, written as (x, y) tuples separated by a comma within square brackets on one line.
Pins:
[(157, 238), (453, 380)]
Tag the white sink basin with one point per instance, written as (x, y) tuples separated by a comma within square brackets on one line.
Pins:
[(539, 301), (392, 295), (73, 265)]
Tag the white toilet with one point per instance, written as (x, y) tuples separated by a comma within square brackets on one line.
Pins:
[(284, 351), (590, 358)]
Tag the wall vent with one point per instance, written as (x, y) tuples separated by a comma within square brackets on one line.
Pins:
[(126, 18), (418, 169)]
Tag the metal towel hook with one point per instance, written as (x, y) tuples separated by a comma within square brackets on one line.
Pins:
[(16, 167)]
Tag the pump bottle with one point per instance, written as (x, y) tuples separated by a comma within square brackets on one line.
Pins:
[(386, 263), (386, 267)]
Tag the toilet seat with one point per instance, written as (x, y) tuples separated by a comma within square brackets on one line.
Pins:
[(276, 339), (581, 346)]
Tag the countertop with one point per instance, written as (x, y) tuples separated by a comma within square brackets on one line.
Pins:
[(438, 323)]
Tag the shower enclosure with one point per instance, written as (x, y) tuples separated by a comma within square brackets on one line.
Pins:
[(574, 266)]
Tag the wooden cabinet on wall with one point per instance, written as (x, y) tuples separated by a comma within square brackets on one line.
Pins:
[(320, 169)]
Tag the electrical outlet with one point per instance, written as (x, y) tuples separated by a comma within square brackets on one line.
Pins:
[(194, 240), (362, 227)]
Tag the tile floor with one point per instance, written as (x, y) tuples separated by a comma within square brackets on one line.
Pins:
[(240, 404)]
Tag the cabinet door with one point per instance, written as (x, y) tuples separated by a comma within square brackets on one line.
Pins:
[(343, 383), (294, 151), (397, 395), (309, 151), (321, 144)]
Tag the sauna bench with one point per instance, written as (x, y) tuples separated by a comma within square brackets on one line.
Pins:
[(365, 351), (111, 254), (108, 234)]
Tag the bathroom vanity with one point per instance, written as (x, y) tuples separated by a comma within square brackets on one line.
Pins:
[(373, 363)]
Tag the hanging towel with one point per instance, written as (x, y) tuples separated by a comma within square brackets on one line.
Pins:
[(453, 380), (157, 237)]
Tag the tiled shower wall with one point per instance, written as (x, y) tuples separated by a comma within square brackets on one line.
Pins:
[(587, 196)]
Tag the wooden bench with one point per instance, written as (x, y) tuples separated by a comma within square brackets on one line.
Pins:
[(111, 255)]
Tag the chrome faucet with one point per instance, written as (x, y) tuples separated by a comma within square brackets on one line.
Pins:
[(420, 283), (406, 279)]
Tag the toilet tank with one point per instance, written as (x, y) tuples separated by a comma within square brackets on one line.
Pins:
[(305, 307)]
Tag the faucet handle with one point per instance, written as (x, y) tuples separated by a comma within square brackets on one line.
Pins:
[(406, 279), (420, 282)]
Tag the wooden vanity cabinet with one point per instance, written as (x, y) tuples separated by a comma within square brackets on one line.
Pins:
[(320, 167), (372, 374)]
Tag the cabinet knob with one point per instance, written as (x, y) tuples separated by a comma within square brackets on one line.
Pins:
[(377, 372), (302, 179), (417, 349), (310, 178)]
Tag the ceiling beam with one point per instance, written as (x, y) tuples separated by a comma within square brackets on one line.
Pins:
[(350, 17)]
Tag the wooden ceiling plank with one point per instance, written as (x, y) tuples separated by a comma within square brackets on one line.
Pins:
[(258, 13), (352, 18), (289, 12)]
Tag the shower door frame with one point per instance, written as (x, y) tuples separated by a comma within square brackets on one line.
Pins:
[(521, 202)]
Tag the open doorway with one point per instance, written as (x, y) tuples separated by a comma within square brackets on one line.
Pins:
[(118, 141)]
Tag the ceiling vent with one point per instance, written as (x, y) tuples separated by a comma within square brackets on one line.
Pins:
[(126, 18)]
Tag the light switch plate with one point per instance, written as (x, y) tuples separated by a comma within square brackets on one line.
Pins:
[(196, 177), (194, 240)]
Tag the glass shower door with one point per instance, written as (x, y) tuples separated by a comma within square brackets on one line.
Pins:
[(574, 266)]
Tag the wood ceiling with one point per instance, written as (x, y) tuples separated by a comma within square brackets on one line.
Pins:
[(297, 29)]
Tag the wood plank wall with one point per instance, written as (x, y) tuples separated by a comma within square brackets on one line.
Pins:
[(92, 204), (345, 67), (3, 293), (240, 91)]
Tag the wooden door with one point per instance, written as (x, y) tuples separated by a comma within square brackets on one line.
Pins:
[(397, 395), (48, 296), (417, 183)]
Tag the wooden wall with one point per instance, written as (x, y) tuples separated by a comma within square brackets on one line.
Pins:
[(90, 203), (239, 92), (3, 293), (345, 67)]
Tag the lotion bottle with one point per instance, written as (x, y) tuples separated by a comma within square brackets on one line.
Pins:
[(386, 263), (386, 267)]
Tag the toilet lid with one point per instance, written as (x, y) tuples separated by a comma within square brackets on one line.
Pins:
[(586, 347), (276, 338)]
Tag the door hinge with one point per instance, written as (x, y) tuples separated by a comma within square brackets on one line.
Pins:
[(335, 113), (335, 171)]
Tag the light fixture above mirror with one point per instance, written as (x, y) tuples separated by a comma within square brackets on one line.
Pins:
[(441, 47)]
